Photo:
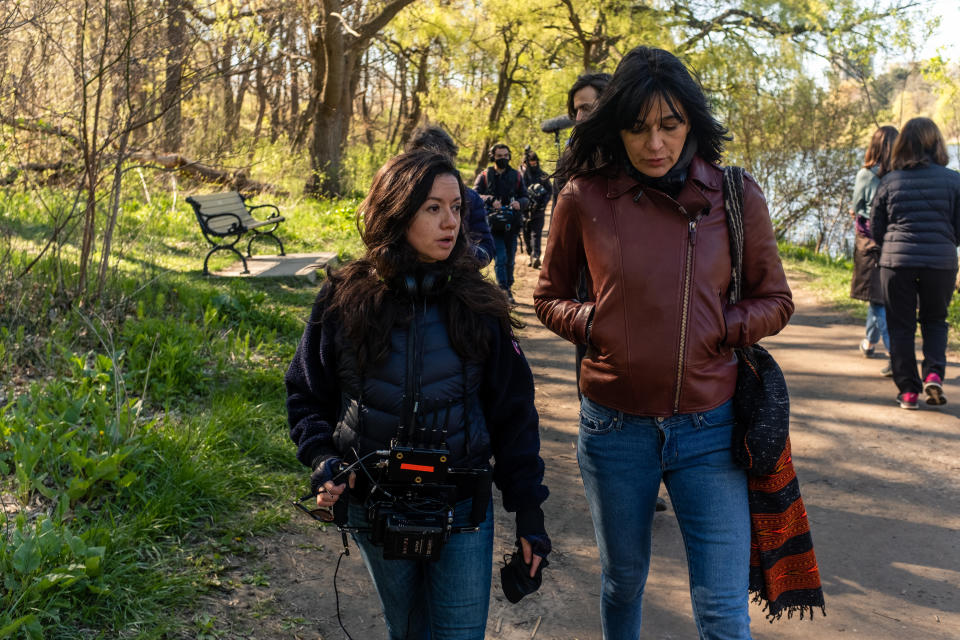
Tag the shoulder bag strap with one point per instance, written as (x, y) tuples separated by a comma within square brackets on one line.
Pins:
[(733, 204)]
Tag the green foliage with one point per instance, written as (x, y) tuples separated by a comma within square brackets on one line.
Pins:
[(137, 436)]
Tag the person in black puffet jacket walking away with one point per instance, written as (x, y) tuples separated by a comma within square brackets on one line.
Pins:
[(915, 219), (410, 346), (500, 186)]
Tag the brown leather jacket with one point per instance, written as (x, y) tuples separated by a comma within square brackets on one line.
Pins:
[(661, 330)]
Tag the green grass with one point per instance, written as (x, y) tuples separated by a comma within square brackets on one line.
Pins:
[(143, 438)]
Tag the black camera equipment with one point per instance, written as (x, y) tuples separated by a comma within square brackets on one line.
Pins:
[(535, 192), (502, 219), (410, 493), (554, 125)]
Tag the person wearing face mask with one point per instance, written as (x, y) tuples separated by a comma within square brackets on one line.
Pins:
[(532, 175), (500, 185), (643, 211)]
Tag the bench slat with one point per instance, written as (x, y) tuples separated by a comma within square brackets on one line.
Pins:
[(209, 210), (220, 225), (262, 223)]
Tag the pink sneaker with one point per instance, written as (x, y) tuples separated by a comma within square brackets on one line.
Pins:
[(933, 389), (908, 400)]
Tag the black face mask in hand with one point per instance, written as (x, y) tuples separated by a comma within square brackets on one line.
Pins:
[(502, 163), (515, 577)]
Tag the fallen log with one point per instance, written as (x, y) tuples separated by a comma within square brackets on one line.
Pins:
[(52, 172), (235, 180)]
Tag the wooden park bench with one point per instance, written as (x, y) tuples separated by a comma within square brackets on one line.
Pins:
[(224, 219)]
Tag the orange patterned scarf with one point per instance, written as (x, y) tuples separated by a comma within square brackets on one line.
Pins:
[(783, 568)]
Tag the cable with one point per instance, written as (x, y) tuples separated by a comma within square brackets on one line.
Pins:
[(336, 595)]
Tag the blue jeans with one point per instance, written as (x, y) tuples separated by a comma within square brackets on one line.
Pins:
[(506, 246), (877, 325), (623, 458), (443, 600)]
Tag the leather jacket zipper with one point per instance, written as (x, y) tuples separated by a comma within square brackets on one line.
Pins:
[(685, 308)]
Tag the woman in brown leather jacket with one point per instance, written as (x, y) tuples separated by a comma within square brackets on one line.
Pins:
[(643, 211)]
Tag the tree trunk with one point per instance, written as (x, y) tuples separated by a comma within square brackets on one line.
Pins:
[(509, 63), (170, 101), (421, 88), (334, 85)]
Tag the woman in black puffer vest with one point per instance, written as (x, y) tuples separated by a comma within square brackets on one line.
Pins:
[(411, 343), (915, 218)]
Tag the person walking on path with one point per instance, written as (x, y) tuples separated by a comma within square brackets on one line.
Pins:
[(865, 284), (501, 186), (411, 343), (644, 211), (539, 196), (915, 218)]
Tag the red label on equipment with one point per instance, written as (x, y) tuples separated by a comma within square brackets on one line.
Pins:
[(416, 467)]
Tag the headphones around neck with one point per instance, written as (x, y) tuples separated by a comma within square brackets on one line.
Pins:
[(422, 285)]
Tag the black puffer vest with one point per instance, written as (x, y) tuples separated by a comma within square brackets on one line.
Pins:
[(422, 385)]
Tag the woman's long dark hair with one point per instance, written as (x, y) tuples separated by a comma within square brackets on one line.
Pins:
[(642, 76), (919, 144), (367, 296), (880, 150)]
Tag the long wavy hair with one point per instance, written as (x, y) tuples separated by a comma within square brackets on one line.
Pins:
[(367, 297), (642, 76), (880, 150)]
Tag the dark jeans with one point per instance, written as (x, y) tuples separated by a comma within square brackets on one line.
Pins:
[(443, 600), (904, 290), (506, 246), (532, 232)]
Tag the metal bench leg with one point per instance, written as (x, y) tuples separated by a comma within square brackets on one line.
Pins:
[(265, 235), (206, 272)]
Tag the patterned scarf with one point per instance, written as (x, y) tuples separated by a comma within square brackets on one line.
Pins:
[(784, 576), (783, 567)]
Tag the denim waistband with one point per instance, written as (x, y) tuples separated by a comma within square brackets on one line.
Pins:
[(720, 414)]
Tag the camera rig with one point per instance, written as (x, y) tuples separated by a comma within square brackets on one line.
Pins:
[(409, 494)]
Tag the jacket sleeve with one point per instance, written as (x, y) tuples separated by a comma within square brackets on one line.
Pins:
[(313, 399), (879, 217), (555, 296), (482, 239), (507, 396), (480, 185), (956, 216), (767, 302)]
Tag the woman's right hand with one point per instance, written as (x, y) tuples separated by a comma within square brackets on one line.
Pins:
[(329, 493)]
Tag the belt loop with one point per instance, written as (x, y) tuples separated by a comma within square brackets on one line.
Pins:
[(619, 420)]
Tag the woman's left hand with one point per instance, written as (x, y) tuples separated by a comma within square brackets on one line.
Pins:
[(529, 557)]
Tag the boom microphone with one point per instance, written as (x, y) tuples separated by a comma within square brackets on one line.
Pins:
[(556, 124)]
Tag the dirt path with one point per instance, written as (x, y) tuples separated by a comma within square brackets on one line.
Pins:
[(880, 486)]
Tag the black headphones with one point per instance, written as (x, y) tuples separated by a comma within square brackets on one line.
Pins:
[(494, 148), (422, 286)]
